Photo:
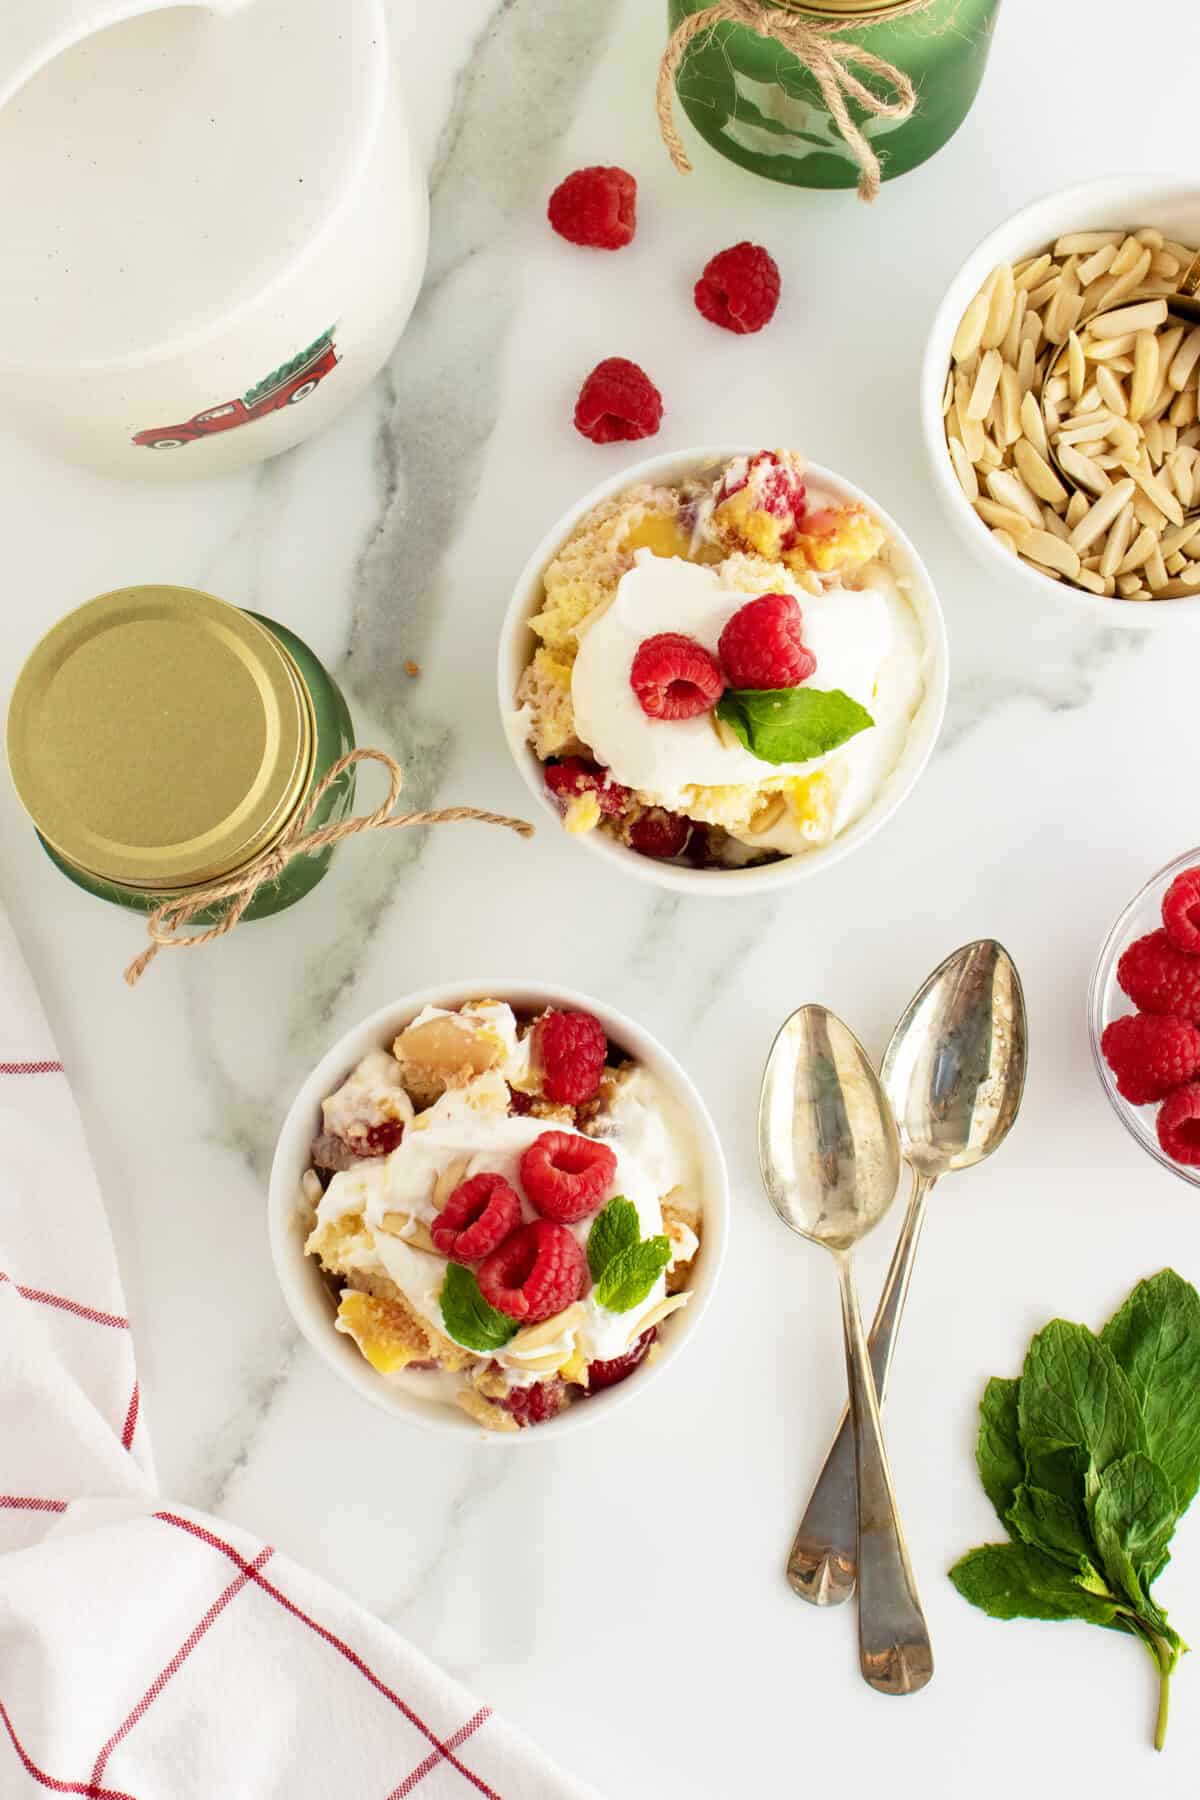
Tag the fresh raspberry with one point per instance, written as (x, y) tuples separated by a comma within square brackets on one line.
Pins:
[(381, 1140), (618, 401), (1181, 911), (572, 776), (534, 1404), (569, 1049), (566, 1176), (1179, 1125), (1159, 978), (534, 1273), (596, 207), (674, 677), (1150, 1055), (761, 647), (739, 288), (477, 1217), (660, 833), (616, 1368)]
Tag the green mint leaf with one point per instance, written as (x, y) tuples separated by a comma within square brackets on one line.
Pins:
[(792, 725), (1074, 1396), (614, 1229), (1155, 1338), (468, 1318), (1048, 1523), (1015, 1581), (998, 1450), (631, 1274), (1133, 1519)]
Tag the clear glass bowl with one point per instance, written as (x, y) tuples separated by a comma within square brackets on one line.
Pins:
[(1106, 1001)]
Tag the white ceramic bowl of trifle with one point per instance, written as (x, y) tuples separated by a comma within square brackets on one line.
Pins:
[(1168, 204), (658, 1128), (924, 673)]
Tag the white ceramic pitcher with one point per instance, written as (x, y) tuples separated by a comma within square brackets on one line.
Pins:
[(213, 225)]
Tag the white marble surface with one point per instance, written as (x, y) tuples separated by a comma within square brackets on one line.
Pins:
[(622, 1596)]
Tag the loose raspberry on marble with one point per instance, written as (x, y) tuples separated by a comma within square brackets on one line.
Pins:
[(657, 832), (1150, 1054), (739, 289), (569, 1050), (476, 1218), (674, 677), (617, 1368), (534, 1404), (1179, 1125), (596, 207), (566, 1176), (1160, 978), (618, 402), (534, 1273), (573, 776), (1181, 911), (761, 646)]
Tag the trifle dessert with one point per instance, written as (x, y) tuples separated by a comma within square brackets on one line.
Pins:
[(726, 667), (506, 1209)]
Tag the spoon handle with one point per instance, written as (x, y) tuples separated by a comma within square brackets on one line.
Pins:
[(822, 1565), (894, 1652)]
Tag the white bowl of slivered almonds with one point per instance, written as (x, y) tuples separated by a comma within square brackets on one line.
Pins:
[(1042, 299)]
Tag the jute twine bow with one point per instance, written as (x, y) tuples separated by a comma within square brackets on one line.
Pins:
[(821, 48), (168, 921)]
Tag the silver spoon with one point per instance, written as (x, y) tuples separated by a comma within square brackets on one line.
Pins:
[(830, 1159), (954, 1073)]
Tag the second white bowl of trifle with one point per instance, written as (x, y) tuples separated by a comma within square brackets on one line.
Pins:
[(884, 647), (353, 1244)]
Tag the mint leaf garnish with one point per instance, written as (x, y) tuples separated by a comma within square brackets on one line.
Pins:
[(624, 1265), (792, 725), (468, 1318), (631, 1274), (614, 1229)]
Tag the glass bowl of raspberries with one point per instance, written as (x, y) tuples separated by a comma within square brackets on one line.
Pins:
[(1144, 1016), (497, 1206)]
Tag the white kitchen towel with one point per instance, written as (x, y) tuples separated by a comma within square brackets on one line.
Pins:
[(148, 1652)]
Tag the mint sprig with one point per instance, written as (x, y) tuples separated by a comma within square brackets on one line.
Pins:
[(467, 1316), (792, 725), (624, 1265), (1091, 1458)]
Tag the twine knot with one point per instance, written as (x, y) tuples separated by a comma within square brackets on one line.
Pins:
[(823, 49), (167, 924)]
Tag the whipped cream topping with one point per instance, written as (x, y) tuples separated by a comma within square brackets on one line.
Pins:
[(470, 1127), (866, 642)]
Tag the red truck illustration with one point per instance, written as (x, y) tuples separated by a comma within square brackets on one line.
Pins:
[(293, 381)]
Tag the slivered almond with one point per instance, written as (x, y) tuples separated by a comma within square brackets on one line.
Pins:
[(657, 1314), (1117, 542), (1007, 488), (1043, 547), (1148, 315), (969, 335), (1099, 517), (986, 383), (1001, 299), (534, 1336), (448, 1179), (1037, 474), (413, 1231), (1158, 495)]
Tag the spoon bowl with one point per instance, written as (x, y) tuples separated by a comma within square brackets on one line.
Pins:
[(954, 1070), (828, 1146)]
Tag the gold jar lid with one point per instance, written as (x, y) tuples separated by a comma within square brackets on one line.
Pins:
[(159, 738)]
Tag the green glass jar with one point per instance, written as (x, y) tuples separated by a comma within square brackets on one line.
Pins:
[(758, 105), (162, 740)]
